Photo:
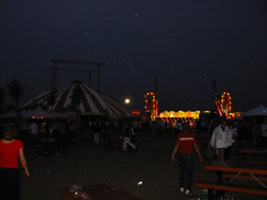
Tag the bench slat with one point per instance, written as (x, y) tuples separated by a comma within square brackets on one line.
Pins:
[(244, 177), (232, 188), (253, 151)]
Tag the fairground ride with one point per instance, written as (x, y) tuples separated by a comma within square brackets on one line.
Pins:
[(223, 102), (152, 102)]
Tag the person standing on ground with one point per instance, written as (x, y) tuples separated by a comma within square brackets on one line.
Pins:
[(10, 151), (97, 128), (71, 129), (127, 138), (34, 133), (221, 139), (186, 142), (180, 126)]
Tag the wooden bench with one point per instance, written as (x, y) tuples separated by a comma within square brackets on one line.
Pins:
[(251, 151), (254, 162), (243, 177), (231, 188)]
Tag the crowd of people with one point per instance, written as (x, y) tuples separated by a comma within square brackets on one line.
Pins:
[(114, 133), (52, 136), (222, 135), (121, 134), (49, 137)]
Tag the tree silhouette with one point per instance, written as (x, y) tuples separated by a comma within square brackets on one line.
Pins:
[(15, 90)]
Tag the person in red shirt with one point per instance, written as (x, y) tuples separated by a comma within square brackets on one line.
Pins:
[(11, 150), (186, 142)]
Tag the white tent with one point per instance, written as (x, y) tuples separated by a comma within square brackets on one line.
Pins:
[(92, 102), (259, 111)]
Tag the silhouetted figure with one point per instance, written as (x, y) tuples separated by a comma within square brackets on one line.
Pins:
[(129, 132), (186, 142)]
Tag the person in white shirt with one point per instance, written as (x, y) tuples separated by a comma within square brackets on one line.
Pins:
[(221, 139)]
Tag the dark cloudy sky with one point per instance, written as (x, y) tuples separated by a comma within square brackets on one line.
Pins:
[(182, 43)]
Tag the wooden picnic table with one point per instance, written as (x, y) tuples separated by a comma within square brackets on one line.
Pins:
[(251, 151), (236, 167), (237, 170)]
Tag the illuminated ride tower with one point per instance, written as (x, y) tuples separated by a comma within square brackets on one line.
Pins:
[(223, 102), (226, 104), (151, 99)]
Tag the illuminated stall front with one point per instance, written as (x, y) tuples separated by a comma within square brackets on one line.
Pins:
[(189, 116)]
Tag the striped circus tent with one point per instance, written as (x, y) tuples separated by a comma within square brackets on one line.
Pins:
[(90, 101)]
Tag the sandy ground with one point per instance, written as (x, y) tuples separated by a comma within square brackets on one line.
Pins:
[(88, 163)]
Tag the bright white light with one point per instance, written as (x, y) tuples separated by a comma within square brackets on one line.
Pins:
[(127, 101), (140, 183)]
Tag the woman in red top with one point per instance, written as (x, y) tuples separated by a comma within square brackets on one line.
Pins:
[(11, 150)]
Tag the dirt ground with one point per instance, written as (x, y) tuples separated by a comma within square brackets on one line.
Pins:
[(87, 164)]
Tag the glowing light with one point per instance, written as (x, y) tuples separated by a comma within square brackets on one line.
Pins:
[(180, 114), (150, 99), (140, 183), (127, 101), (136, 112), (226, 104)]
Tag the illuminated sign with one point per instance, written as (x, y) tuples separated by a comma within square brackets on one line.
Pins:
[(180, 114)]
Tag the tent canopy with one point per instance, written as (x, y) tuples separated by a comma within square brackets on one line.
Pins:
[(89, 101), (258, 111), (38, 113)]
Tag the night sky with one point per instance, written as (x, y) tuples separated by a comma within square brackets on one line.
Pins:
[(182, 43)]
